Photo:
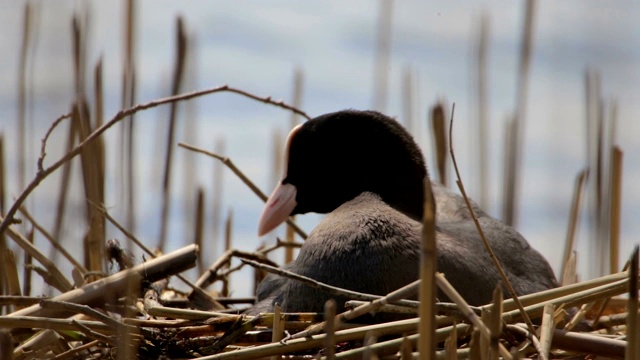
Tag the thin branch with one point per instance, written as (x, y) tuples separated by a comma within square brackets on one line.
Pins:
[(43, 153), (324, 287), (367, 307), (492, 255), (225, 160), (531, 337), (85, 310), (94, 334), (44, 173)]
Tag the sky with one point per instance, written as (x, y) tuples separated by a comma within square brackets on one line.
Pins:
[(257, 46)]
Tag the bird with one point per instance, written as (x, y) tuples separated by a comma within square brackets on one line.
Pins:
[(367, 174)]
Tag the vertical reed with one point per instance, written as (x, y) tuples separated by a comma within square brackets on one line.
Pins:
[(633, 325), (569, 245), (228, 233), (3, 238), (439, 131), (615, 206), (218, 182), (383, 50), (127, 134), (176, 85), (199, 227), (22, 93), (482, 102), (295, 119), (515, 150), (427, 291)]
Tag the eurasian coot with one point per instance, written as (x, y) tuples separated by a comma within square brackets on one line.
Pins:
[(367, 173)]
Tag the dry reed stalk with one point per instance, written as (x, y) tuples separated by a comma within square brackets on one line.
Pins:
[(408, 99), (594, 143), (354, 304), (190, 128), (370, 339), (633, 325), (127, 131), (546, 331), (160, 267), (575, 320), (6, 344), (475, 353), (569, 275), (510, 130), (298, 79), (518, 130), (452, 294), (176, 84), (531, 338), (276, 172), (188, 314), (586, 343), (218, 178), (406, 349), (3, 238), (54, 243), (565, 291), (61, 306), (27, 30), (427, 287), (27, 266), (483, 345), (228, 227), (38, 322), (382, 55), (391, 346), (495, 323), (573, 225), (92, 157), (493, 257), (11, 272), (211, 274), (98, 93), (451, 345), (283, 347), (330, 328), (55, 277), (65, 179), (482, 102), (277, 330), (21, 300), (615, 206), (38, 345), (439, 131), (226, 161), (72, 352), (366, 307), (574, 299), (334, 290), (199, 227)]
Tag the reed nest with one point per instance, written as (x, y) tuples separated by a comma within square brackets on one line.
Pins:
[(135, 312)]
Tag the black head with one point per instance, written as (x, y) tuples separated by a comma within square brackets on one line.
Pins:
[(337, 156)]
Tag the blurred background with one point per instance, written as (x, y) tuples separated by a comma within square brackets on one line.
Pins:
[(559, 79)]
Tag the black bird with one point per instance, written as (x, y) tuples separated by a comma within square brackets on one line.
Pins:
[(366, 171)]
